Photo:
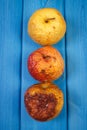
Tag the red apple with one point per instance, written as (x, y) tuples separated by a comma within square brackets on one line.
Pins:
[(46, 64)]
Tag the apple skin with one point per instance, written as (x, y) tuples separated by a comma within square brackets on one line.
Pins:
[(45, 64), (46, 26), (43, 101)]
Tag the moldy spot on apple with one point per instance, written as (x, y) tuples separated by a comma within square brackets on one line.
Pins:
[(41, 106)]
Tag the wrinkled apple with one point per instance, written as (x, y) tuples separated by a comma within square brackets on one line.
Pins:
[(46, 64), (43, 101)]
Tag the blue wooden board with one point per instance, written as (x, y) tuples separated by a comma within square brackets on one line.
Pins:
[(16, 45), (10, 59), (76, 45)]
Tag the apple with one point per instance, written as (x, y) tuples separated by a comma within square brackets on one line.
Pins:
[(46, 26), (43, 101), (45, 64)]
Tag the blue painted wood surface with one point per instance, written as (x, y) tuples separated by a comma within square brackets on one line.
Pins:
[(16, 45), (76, 40), (10, 59)]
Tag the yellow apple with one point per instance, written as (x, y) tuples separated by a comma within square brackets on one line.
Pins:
[(46, 26)]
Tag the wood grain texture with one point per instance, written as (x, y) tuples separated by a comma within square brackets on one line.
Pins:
[(76, 39), (10, 58), (27, 123)]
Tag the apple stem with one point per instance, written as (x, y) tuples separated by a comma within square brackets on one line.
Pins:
[(47, 20)]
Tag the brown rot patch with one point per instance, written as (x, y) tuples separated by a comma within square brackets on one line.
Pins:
[(46, 21), (41, 106), (50, 66), (42, 71), (46, 57), (53, 27), (54, 58)]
